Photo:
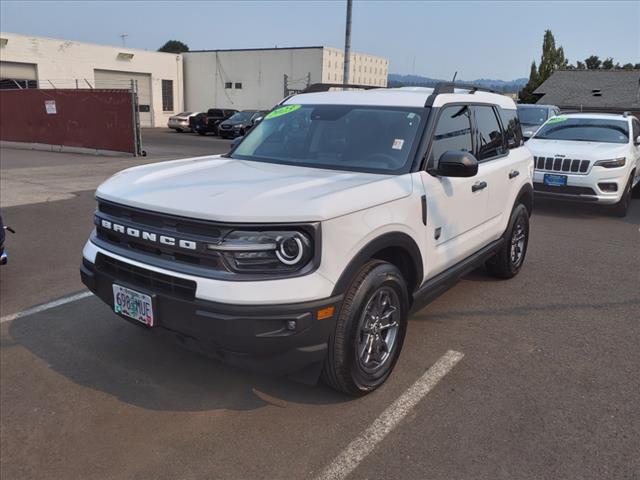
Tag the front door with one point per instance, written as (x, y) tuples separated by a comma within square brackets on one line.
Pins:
[(456, 207)]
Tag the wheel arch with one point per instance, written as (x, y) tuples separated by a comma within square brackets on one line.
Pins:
[(525, 196), (397, 248)]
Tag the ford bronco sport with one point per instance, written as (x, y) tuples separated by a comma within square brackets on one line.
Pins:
[(306, 247)]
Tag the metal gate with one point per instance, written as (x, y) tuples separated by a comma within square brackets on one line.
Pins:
[(111, 79)]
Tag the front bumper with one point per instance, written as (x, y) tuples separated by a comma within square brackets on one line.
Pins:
[(583, 188), (254, 337)]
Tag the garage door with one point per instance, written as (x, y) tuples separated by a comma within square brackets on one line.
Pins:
[(18, 75), (114, 79)]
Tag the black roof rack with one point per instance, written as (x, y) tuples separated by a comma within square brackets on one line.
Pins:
[(450, 87), (324, 87)]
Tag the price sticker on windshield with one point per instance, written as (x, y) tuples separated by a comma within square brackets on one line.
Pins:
[(278, 112), (556, 120)]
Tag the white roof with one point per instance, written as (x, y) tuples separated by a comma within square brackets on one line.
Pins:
[(399, 97), (605, 116)]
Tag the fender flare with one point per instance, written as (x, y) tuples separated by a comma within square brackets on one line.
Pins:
[(391, 239), (525, 196)]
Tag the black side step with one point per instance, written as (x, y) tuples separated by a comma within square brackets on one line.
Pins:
[(436, 286)]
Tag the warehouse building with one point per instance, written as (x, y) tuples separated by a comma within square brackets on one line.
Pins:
[(260, 78), (36, 62)]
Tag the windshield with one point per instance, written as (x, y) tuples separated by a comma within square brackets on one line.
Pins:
[(342, 137), (585, 130), (532, 116), (241, 116)]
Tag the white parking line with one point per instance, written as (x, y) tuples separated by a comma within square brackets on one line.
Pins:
[(46, 306), (362, 446)]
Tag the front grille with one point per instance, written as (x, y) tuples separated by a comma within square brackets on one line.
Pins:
[(146, 279), (198, 231), (559, 164), (566, 189), (225, 127)]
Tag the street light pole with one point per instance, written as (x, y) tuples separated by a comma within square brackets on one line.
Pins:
[(347, 45)]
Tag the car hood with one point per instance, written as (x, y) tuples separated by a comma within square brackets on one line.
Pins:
[(229, 190), (579, 150), (233, 122)]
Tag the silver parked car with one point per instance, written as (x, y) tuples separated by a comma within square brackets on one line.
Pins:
[(533, 116), (180, 122)]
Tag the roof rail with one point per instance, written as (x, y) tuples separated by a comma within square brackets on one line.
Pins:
[(450, 87), (324, 87)]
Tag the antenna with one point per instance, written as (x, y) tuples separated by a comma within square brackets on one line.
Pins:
[(454, 76), (124, 39)]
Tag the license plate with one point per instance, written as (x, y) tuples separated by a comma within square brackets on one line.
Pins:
[(133, 304), (555, 180)]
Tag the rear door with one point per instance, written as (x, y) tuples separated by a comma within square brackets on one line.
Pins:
[(456, 207)]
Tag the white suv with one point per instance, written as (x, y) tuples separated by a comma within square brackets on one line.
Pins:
[(305, 248), (588, 157)]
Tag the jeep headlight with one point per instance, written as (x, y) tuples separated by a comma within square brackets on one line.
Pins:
[(614, 163), (265, 251)]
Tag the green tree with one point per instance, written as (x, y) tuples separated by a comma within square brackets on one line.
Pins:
[(552, 59), (627, 66), (593, 62), (608, 64), (174, 46), (637, 66), (526, 94), (580, 65)]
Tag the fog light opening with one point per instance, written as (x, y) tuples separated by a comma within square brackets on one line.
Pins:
[(608, 186)]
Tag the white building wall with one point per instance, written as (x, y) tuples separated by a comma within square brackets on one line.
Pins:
[(60, 63), (260, 72), (364, 69)]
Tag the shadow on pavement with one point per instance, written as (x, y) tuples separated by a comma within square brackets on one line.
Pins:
[(560, 209), (92, 347)]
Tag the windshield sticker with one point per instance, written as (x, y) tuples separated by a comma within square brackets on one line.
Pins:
[(411, 116), (397, 144), (278, 112), (556, 120)]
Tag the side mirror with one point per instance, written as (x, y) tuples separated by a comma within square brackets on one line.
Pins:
[(256, 121), (637, 142), (457, 164), (235, 142)]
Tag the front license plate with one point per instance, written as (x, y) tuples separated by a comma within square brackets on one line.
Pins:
[(555, 180), (133, 304)]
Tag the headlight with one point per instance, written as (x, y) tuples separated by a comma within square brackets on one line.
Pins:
[(265, 252), (617, 162)]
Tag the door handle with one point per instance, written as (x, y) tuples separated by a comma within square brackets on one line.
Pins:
[(513, 173), (478, 186)]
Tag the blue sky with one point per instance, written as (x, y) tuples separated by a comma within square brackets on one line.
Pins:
[(479, 39)]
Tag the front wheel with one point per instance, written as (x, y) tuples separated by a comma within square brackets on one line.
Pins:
[(369, 331), (509, 259), (621, 208)]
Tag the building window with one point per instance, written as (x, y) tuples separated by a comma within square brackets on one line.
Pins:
[(228, 85), (167, 95), (238, 85)]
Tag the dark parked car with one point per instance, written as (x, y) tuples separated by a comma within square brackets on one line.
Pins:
[(240, 123), (533, 116), (208, 122)]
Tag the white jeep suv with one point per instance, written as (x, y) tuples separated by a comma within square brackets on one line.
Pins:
[(304, 249), (589, 157)]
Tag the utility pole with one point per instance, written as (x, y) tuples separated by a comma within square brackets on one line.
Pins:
[(124, 39), (347, 45)]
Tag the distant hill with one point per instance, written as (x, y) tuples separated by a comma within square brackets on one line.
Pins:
[(506, 86)]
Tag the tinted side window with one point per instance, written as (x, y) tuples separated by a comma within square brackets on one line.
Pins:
[(489, 140), (453, 131), (513, 130)]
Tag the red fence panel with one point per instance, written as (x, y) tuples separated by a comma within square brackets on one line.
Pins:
[(100, 119)]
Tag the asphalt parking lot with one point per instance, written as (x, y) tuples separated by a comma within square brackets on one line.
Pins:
[(547, 384)]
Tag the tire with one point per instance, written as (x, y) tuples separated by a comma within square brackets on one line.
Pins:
[(360, 332), (510, 258), (621, 208), (202, 133), (179, 130)]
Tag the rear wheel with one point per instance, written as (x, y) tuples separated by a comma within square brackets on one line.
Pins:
[(509, 259), (369, 331), (621, 208)]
